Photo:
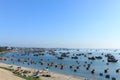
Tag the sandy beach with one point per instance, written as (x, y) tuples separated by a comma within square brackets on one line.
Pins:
[(7, 75), (57, 76)]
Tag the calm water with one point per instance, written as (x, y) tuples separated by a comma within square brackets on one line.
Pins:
[(98, 64)]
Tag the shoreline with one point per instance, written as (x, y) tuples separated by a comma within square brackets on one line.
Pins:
[(54, 75)]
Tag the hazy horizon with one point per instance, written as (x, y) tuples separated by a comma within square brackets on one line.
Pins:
[(60, 23)]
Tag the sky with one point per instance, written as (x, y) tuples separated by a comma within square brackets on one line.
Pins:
[(60, 23)]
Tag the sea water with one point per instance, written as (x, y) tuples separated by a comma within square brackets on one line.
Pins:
[(97, 64)]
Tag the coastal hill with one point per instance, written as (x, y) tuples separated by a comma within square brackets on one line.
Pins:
[(4, 49)]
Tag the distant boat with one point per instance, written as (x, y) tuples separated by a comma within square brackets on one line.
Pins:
[(111, 58)]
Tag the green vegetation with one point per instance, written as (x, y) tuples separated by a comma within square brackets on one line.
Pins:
[(3, 49), (19, 75), (28, 78), (6, 68)]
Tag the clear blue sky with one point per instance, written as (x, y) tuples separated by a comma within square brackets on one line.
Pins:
[(60, 23)]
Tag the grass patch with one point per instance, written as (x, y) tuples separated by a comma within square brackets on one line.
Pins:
[(28, 78), (6, 68)]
